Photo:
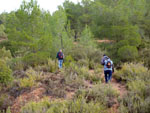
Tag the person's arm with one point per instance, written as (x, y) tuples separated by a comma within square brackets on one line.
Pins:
[(57, 55), (113, 70), (102, 61)]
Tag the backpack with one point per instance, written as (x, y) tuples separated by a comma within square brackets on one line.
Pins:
[(108, 65), (60, 55)]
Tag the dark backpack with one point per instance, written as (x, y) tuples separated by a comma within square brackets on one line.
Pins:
[(60, 55), (108, 65)]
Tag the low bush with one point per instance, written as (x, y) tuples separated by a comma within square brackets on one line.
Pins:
[(5, 102), (52, 65), (94, 79), (16, 64), (144, 56), (8, 45), (74, 71), (97, 74), (74, 106), (71, 77), (5, 54), (138, 83), (137, 86), (92, 64), (79, 55), (55, 85), (30, 80), (80, 105), (49, 66), (83, 62), (68, 60), (27, 82), (91, 55), (103, 94), (34, 59), (5, 73), (122, 43), (131, 71), (134, 41), (133, 103), (128, 53)]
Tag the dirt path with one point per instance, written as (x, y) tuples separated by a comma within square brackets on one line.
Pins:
[(104, 41), (121, 89), (117, 86)]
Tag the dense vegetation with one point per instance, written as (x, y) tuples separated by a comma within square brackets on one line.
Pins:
[(30, 37)]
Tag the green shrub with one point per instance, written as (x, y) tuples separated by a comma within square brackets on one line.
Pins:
[(80, 105), (8, 45), (52, 65), (80, 52), (5, 102), (95, 78), (5, 54), (27, 82), (91, 64), (75, 106), (139, 87), (98, 69), (78, 55), (128, 53), (5, 73), (30, 81), (81, 72), (68, 60), (138, 81), (122, 43), (131, 71), (83, 62), (145, 57), (73, 75), (16, 64), (34, 107), (133, 103), (130, 104), (75, 71), (134, 41), (34, 59), (97, 75), (103, 94)]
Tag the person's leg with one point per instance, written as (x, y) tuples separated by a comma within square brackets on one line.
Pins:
[(106, 77), (110, 75), (61, 63)]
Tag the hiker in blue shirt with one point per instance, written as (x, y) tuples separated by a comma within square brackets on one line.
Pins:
[(108, 68), (60, 57)]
